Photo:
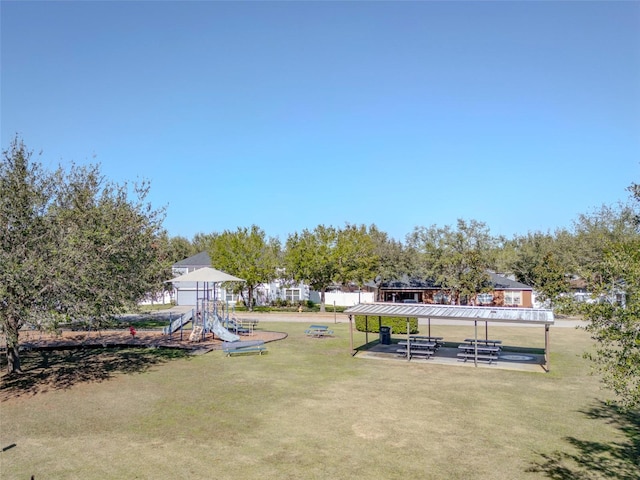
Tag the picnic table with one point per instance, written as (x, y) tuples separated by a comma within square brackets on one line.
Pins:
[(485, 341), (246, 324), (439, 341), (418, 348), (318, 331), (236, 327), (488, 353)]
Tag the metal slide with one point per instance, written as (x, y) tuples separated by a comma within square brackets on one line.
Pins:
[(221, 332), (179, 322)]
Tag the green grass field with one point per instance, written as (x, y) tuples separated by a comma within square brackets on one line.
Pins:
[(308, 410)]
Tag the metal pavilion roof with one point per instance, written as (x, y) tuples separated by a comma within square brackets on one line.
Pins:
[(534, 316)]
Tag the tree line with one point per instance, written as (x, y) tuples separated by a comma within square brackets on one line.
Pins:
[(455, 257), (76, 245)]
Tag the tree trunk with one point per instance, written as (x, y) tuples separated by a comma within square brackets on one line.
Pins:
[(322, 309), (12, 330), (250, 307)]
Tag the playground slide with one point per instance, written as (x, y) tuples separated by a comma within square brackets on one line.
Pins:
[(222, 333), (179, 322)]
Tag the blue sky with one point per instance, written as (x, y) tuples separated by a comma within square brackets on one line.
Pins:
[(288, 115)]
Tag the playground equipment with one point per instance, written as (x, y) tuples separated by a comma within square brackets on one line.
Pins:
[(207, 317), (210, 317), (213, 316), (222, 332), (179, 322), (209, 312)]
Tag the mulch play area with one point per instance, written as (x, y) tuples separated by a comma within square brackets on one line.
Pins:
[(34, 340)]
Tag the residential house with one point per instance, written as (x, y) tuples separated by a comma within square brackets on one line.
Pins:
[(578, 290), (188, 265), (186, 292), (506, 292)]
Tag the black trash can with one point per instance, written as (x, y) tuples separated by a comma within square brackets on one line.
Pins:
[(385, 335)]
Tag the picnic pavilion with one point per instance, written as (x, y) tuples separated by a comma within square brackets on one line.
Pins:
[(456, 313)]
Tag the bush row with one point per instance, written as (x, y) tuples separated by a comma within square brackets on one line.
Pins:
[(398, 324)]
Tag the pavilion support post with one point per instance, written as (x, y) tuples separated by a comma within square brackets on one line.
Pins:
[(429, 326), (475, 345), (366, 329), (204, 313), (351, 335), (408, 340), (486, 330), (547, 365)]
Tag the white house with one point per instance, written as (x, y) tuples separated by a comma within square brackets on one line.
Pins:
[(186, 293)]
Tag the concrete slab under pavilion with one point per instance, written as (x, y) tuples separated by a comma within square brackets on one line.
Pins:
[(455, 314)]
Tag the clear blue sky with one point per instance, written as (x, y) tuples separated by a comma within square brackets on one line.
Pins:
[(288, 115)]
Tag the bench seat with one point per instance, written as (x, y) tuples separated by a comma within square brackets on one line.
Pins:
[(485, 357), (242, 350), (439, 341), (238, 348), (417, 352)]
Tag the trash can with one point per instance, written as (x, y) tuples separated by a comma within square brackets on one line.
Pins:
[(385, 335)]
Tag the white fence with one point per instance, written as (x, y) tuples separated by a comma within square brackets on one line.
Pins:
[(342, 299), (162, 298)]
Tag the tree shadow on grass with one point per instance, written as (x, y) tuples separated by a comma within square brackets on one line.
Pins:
[(591, 460), (46, 370)]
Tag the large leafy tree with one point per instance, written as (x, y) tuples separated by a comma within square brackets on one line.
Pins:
[(356, 255), (550, 279), (457, 259), (505, 254), (26, 193), (311, 257), (110, 247), (614, 320), (543, 261), (202, 242), (180, 248), (246, 253), (74, 245), (595, 232), (530, 251), (395, 259)]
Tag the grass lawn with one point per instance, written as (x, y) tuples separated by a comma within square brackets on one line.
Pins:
[(156, 307), (308, 410)]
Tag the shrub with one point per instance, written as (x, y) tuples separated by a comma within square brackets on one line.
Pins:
[(398, 324)]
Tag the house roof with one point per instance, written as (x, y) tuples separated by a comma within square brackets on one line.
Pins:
[(535, 316), (498, 282), (503, 283), (206, 274), (407, 282), (201, 259)]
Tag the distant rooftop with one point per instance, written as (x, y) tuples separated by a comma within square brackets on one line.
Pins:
[(201, 259), (499, 282)]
